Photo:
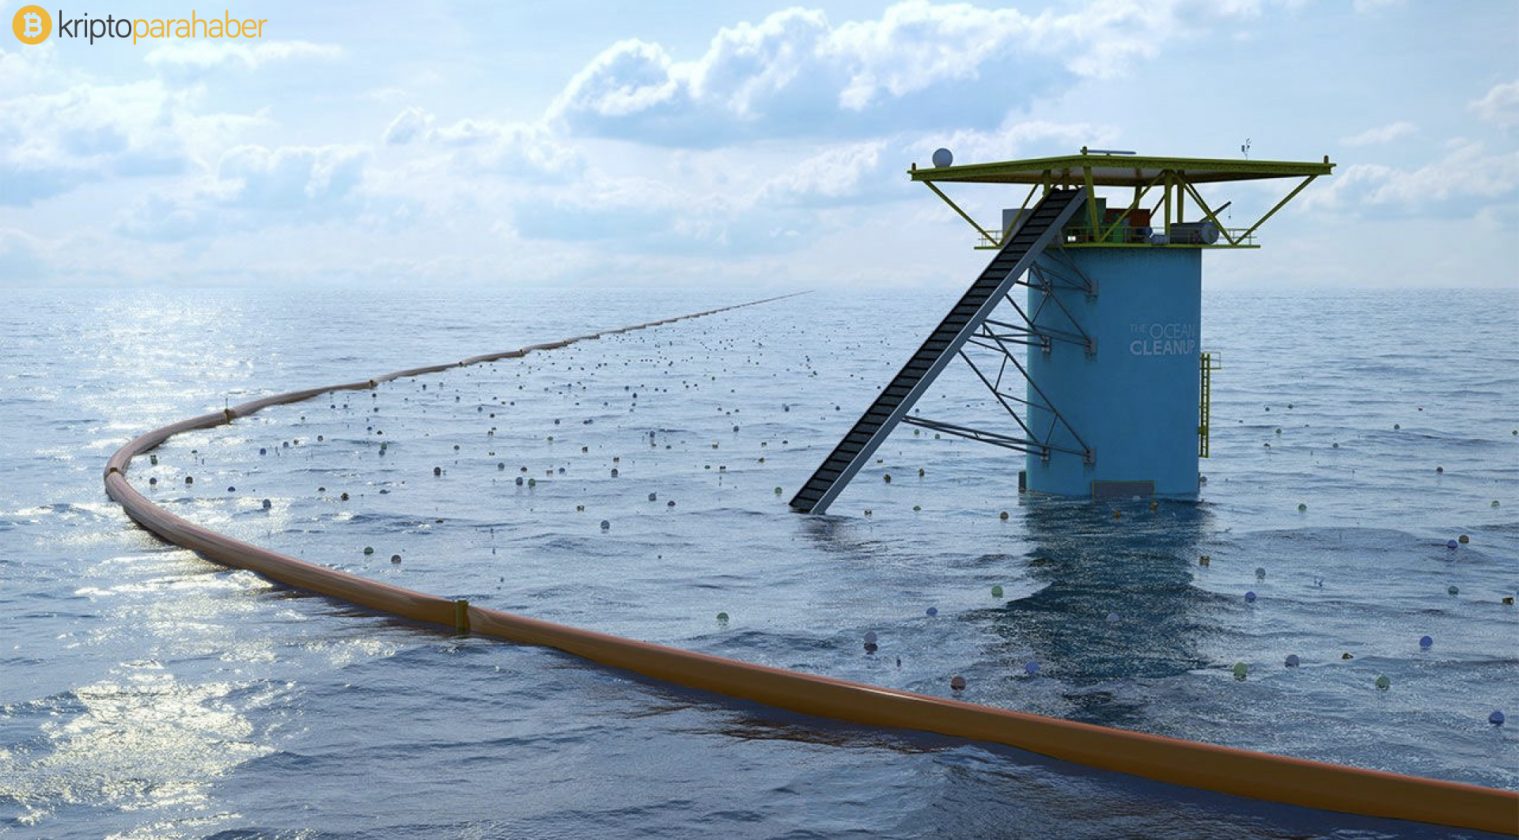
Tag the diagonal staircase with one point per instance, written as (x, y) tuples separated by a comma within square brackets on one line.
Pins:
[(1038, 230)]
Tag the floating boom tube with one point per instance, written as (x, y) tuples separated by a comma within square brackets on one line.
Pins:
[(1256, 775)]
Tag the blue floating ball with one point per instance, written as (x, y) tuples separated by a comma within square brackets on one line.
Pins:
[(1451, 544), (1031, 668), (1112, 618), (1426, 641), (1249, 597), (1293, 661), (932, 611), (1496, 718)]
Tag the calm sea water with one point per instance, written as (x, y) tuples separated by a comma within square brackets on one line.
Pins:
[(147, 693)]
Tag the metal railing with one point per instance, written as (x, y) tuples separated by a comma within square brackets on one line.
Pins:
[(1129, 236)]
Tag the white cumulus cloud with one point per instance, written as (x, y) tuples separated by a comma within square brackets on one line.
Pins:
[(918, 65), (1380, 134), (1500, 105), (207, 54)]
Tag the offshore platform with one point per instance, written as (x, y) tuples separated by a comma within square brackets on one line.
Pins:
[(1115, 396)]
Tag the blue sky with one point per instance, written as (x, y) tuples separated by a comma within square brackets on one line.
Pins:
[(739, 144)]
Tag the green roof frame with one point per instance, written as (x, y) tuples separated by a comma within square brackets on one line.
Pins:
[(1119, 170), (1174, 177)]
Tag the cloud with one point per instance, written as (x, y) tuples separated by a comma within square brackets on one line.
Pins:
[(50, 143), (411, 124), (256, 186), (19, 256), (1465, 175), (1500, 105), (831, 175), (204, 55), (916, 66), (292, 176), (1380, 134), (528, 151), (794, 74)]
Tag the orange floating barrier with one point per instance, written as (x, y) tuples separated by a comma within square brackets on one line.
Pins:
[(1256, 775)]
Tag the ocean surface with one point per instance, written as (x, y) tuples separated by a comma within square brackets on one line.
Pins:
[(145, 692)]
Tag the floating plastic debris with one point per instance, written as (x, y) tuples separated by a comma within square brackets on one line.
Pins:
[(1112, 618), (1260, 572), (1241, 670), (395, 558), (268, 504), (1463, 539), (605, 525), (1250, 597), (931, 611), (1383, 683), (722, 618), (1496, 718), (1031, 668), (368, 550), (1426, 642), (1293, 661), (1453, 589), (997, 591), (1204, 560), (1302, 508), (1002, 516), (957, 683)]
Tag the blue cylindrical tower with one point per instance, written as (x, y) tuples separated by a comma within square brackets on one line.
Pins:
[(1106, 337), (1115, 376)]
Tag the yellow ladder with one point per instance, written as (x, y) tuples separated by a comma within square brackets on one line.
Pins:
[(1206, 365)]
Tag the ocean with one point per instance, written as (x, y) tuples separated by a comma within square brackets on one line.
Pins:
[(145, 692)]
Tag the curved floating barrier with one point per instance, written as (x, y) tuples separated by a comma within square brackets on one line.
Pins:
[(1255, 775)]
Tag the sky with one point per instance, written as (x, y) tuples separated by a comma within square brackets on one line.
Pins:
[(743, 145)]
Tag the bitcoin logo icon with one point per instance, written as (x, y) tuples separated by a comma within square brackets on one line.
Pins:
[(32, 24)]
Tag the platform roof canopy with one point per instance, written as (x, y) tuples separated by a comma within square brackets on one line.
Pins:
[(1119, 170), (1175, 178)]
